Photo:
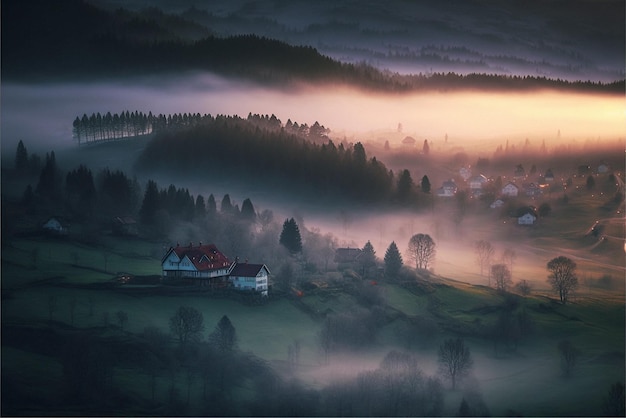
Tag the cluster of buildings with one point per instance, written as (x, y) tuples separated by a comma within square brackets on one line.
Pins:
[(205, 265)]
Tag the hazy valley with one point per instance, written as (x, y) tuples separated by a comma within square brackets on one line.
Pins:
[(402, 218)]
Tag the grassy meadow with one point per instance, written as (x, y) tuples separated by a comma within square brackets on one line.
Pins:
[(49, 283)]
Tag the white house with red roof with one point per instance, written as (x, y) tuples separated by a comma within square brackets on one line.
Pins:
[(205, 264), (202, 262)]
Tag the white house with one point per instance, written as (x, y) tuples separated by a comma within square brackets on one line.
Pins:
[(498, 203), (204, 263), (409, 141), (532, 190), (526, 219), (465, 173), (447, 189), (244, 276), (477, 182), (55, 227), (510, 190)]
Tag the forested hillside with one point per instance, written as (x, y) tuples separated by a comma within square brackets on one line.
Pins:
[(73, 39), (261, 150)]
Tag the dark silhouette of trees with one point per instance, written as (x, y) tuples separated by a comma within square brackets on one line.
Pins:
[(562, 276), (523, 287), (501, 277), (49, 185), (224, 337), (591, 183), (150, 204), (569, 356), (260, 154), (425, 184), (117, 194), (80, 191), (613, 404), (21, 158), (421, 250), (426, 148), (455, 360), (186, 324), (247, 211), (367, 259), (290, 237), (404, 188), (508, 257), (393, 260)]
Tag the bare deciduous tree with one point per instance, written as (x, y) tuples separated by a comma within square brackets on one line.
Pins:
[(523, 287), (186, 324), (455, 360), (569, 356), (501, 276), (421, 250), (562, 276), (122, 319), (484, 252), (508, 257)]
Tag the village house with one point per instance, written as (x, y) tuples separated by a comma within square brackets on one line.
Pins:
[(510, 190), (465, 173), (526, 219), (244, 276), (206, 265), (409, 141), (532, 190), (498, 203), (603, 168), (477, 182), (447, 189), (124, 226), (203, 264), (549, 176), (54, 227), (526, 216)]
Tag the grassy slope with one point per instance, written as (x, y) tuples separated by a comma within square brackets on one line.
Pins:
[(594, 325)]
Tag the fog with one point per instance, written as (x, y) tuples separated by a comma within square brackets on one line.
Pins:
[(42, 114)]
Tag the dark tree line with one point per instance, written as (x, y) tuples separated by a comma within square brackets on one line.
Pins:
[(97, 42), (267, 156)]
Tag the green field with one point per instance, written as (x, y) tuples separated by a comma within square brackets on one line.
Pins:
[(526, 379)]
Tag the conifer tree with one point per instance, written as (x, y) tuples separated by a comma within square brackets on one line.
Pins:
[(21, 157), (247, 211), (393, 260), (425, 184), (150, 203), (367, 259), (290, 236)]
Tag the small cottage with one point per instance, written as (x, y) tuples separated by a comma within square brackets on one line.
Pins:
[(465, 173), (477, 182), (526, 219), (124, 226), (532, 190), (244, 276), (54, 227), (447, 189), (510, 190)]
